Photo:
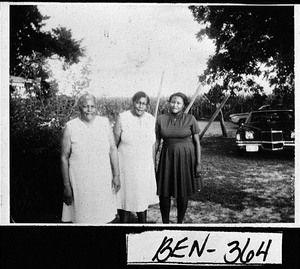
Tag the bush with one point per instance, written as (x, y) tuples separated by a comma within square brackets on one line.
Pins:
[(35, 131)]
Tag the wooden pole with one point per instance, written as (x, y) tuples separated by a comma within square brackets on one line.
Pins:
[(193, 99), (214, 116), (158, 95), (222, 123)]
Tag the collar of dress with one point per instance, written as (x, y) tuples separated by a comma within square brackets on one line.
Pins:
[(176, 116)]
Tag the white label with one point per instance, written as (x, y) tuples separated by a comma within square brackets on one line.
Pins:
[(200, 247)]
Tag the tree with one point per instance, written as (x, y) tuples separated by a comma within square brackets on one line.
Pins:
[(81, 81), (30, 48), (36, 122), (27, 40), (250, 41)]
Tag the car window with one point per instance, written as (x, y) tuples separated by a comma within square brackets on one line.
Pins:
[(280, 116), (257, 117), (286, 116)]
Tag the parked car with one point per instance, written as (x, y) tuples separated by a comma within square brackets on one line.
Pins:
[(238, 118), (267, 130)]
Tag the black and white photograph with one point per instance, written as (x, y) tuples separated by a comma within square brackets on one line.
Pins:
[(162, 133)]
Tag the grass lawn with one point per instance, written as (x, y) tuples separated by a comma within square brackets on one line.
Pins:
[(256, 188)]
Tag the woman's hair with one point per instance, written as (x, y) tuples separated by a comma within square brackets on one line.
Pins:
[(182, 95), (137, 96), (85, 97)]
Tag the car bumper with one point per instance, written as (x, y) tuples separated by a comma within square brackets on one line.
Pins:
[(253, 146)]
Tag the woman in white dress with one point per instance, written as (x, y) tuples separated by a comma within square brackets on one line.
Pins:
[(89, 165), (134, 133)]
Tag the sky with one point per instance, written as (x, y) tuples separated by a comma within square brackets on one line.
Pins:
[(132, 47)]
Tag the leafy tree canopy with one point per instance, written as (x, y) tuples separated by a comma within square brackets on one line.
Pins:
[(250, 41), (29, 45)]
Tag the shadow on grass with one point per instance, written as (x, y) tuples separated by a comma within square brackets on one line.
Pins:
[(226, 183), (237, 200), (228, 196)]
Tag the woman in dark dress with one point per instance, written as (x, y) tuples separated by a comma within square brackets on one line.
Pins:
[(179, 161)]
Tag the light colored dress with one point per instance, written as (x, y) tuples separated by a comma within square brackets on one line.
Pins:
[(90, 173), (137, 172)]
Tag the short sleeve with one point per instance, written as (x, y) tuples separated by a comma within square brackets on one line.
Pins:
[(72, 125), (195, 126)]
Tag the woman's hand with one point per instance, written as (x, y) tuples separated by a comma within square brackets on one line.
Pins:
[(116, 183), (198, 169), (68, 195)]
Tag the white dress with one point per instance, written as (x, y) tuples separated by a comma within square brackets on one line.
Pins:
[(90, 173), (137, 172)]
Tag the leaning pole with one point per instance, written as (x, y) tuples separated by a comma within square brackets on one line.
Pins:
[(214, 116)]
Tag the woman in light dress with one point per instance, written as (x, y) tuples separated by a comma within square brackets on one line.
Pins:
[(134, 133), (89, 165)]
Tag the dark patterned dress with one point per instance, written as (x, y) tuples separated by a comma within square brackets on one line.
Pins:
[(176, 170)]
